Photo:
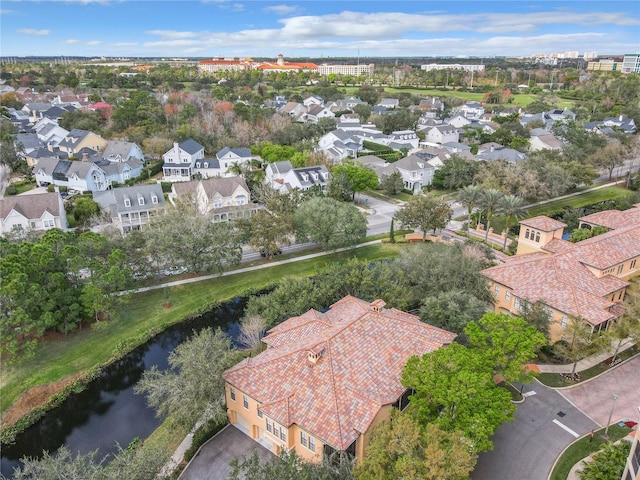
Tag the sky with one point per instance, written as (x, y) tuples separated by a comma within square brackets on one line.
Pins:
[(328, 28)]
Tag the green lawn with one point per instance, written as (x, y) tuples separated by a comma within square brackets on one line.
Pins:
[(145, 316), (584, 447), (584, 199)]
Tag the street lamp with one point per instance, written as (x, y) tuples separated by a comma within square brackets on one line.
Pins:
[(615, 397)]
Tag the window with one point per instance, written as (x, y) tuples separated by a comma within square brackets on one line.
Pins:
[(496, 290), (259, 412), (537, 237), (620, 268), (127, 202), (564, 322), (233, 394), (549, 315), (217, 204), (633, 264), (283, 434), (312, 444), (526, 234), (245, 402), (197, 164), (49, 224), (276, 430), (269, 427), (517, 304), (154, 199), (303, 439), (507, 295), (140, 200), (33, 224)]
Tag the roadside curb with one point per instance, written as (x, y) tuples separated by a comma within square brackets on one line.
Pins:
[(562, 453), (198, 451)]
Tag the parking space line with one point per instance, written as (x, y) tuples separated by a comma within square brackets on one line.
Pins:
[(564, 427)]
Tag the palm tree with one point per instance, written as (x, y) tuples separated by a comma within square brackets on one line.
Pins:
[(489, 202), (512, 207), (470, 197)]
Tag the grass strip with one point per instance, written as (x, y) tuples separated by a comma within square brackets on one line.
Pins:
[(584, 447), (577, 201)]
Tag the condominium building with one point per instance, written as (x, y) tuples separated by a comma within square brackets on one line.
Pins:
[(452, 66), (631, 63), (357, 70), (224, 65)]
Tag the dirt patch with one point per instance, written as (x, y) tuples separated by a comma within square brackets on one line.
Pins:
[(35, 397), (167, 304)]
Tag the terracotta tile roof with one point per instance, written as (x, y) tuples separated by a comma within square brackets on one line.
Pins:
[(562, 279), (614, 218), (543, 223), (361, 356)]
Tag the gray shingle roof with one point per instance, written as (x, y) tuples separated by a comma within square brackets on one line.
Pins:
[(191, 146), (114, 199), (31, 206)]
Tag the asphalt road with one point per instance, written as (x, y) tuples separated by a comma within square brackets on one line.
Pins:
[(526, 448)]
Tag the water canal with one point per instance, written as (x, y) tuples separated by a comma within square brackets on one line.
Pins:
[(107, 412)]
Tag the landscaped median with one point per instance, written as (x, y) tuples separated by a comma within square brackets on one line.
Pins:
[(67, 363), (583, 447)]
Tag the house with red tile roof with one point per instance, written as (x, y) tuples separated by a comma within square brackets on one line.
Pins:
[(585, 280), (326, 379)]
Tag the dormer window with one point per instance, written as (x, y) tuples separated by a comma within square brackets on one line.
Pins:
[(140, 200), (127, 202), (154, 199), (197, 164)]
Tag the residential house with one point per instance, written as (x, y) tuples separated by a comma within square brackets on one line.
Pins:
[(471, 110), (416, 172), (75, 175), (295, 110), (313, 100), (458, 121), (345, 104), (117, 151), (77, 139), (495, 151), (221, 166), (431, 104), (131, 208), (316, 112), (542, 140), (179, 161), (401, 139), (610, 125), (28, 142), (339, 144), (389, 103), (32, 212), (558, 115), (442, 134), (223, 198), (49, 132), (326, 379), (284, 178), (584, 280)]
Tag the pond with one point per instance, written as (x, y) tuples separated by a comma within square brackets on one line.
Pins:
[(107, 412)]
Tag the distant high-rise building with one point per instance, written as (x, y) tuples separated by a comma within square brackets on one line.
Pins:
[(590, 55), (452, 66), (631, 63)]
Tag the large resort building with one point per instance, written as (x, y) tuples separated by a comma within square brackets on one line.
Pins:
[(354, 70), (326, 379), (586, 280)]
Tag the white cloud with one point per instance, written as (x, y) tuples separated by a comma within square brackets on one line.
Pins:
[(32, 31), (94, 42), (282, 9), (124, 44), (171, 34), (71, 40), (6, 12)]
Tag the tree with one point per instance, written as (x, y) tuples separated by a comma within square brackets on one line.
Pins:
[(340, 187), (581, 342), (392, 184), (133, 463), (267, 230), (457, 172), (609, 462), (512, 208), (252, 330), (288, 465), (192, 388), (425, 213), (580, 234), (451, 310), (360, 177), (508, 341), (537, 315), (609, 157), (454, 389), (490, 202), (627, 328), (329, 222), (401, 448), (83, 209), (470, 197), (204, 246)]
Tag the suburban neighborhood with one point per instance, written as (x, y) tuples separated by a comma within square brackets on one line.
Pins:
[(320, 267)]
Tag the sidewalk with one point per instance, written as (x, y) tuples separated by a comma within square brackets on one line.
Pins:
[(584, 363)]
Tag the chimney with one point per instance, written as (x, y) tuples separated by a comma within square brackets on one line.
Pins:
[(620, 118), (85, 157), (377, 305), (492, 147)]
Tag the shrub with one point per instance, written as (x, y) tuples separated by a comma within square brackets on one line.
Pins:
[(51, 188), (11, 190), (63, 188), (166, 187), (202, 434)]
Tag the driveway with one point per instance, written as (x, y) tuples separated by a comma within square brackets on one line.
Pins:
[(595, 398), (526, 448), (212, 462)]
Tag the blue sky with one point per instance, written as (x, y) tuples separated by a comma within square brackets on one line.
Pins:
[(393, 28)]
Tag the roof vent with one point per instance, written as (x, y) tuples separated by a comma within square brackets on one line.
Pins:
[(378, 305), (314, 355)]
